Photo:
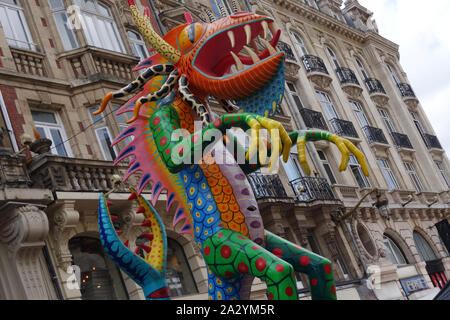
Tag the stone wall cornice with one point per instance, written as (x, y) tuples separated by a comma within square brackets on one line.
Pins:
[(334, 25)]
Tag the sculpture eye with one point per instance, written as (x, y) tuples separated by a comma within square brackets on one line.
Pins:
[(190, 35)]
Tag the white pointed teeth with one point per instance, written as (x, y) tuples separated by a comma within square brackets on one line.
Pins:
[(271, 49), (239, 64), (265, 26), (272, 28), (252, 54), (248, 33), (232, 38)]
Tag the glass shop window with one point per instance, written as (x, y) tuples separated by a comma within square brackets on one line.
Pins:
[(395, 254), (179, 275), (100, 278)]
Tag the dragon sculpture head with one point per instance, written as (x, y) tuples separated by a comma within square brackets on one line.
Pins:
[(222, 59)]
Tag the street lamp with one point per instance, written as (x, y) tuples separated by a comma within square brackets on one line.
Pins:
[(383, 206)]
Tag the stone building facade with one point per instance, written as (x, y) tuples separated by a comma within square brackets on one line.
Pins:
[(342, 76)]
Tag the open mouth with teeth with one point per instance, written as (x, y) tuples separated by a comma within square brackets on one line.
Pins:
[(230, 64)]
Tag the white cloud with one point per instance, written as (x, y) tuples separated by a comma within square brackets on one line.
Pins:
[(422, 31)]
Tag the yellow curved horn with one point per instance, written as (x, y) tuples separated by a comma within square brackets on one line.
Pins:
[(158, 43)]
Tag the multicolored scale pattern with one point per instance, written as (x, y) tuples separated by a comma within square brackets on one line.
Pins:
[(149, 273), (206, 202), (230, 255)]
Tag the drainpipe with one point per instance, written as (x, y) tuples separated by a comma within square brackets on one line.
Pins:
[(358, 252), (158, 21), (302, 125)]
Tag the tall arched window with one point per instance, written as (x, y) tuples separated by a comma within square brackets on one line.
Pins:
[(299, 44), (99, 25), (423, 247), (362, 69), (14, 25), (67, 34), (333, 58), (394, 74), (393, 251), (100, 279), (138, 45)]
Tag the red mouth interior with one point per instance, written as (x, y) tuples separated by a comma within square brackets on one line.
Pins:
[(214, 58)]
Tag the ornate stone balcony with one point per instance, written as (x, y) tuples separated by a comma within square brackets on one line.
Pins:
[(433, 145), (267, 186), (375, 135), (313, 119), (349, 82), (75, 175), (90, 64), (408, 95), (401, 140), (13, 171), (377, 140), (309, 189), (344, 128), (292, 65), (432, 142), (29, 62), (404, 146), (377, 92), (317, 71)]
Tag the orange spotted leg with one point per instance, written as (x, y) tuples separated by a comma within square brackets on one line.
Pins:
[(318, 269), (230, 255)]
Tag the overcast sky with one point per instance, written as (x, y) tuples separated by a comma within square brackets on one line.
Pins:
[(422, 29)]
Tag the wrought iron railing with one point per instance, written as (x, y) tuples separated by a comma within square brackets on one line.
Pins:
[(314, 64), (308, 189), (432, 142), (374, 86), (405, 90), (344, 128), (267, 186), (375, 135), (401, 140), (346, 75), (283, 46), (313, 119)]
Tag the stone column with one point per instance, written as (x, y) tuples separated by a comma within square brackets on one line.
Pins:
[(23, 231)]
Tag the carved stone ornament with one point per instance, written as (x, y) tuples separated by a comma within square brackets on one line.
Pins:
[(64, 221), (23, 231)]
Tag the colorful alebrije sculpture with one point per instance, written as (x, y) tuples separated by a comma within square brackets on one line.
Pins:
[(216, 203)]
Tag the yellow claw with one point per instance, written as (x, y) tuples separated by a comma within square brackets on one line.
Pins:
[(301, 149), (286, 145), (275, 138), (255, 126), (339, 142), (359, 156), (105, 102)]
